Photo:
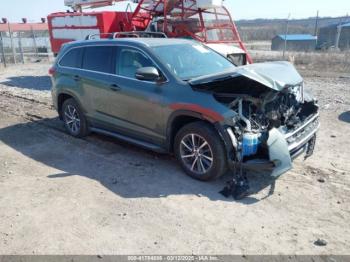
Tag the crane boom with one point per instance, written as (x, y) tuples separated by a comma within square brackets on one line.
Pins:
[(78, 5)]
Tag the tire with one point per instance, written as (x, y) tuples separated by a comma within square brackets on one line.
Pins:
[(74, 119), (208, 145)]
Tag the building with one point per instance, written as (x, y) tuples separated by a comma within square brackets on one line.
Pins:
[(333, 35), (294, 42)]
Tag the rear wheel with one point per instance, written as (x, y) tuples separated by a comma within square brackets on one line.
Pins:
[(74, 119), (200, 151)]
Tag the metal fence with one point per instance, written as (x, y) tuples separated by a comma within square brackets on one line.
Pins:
[(24, 46)]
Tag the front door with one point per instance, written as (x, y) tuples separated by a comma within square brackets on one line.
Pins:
[(135, 106)]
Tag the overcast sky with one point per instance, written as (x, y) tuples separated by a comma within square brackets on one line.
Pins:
[(14, 10)]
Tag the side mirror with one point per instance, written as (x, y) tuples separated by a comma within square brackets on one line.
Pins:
[(147, 74)]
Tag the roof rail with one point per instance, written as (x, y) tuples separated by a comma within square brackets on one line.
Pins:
[(92, 36), (131, 34), (145, 34)]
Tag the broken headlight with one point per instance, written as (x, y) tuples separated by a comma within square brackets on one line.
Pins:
[(298, 92)]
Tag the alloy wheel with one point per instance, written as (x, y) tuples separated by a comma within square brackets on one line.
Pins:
[(196, 153), (72, 119)]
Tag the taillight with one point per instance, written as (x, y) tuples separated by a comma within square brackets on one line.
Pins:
[(52, 71)]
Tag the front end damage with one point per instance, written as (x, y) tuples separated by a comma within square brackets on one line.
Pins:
[(273, 119), (268, 135)]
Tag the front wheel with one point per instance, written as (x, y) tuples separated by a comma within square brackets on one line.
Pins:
[(200, 151)]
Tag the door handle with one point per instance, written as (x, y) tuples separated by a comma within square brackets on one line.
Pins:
[(115, 87), (77, 78)]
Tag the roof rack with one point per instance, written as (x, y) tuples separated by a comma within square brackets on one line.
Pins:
[(144, 34), (131, 34), (98, 36)]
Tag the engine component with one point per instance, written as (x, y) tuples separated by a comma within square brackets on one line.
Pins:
[(250, 143), (242, 117)]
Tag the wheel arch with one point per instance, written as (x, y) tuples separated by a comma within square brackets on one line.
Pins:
[(180, 118), (177, 120), (62, 97)]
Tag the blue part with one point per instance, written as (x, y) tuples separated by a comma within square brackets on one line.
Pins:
[(297, 37), (250, 144)]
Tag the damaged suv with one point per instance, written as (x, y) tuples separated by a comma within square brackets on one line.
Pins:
[(179, 96)]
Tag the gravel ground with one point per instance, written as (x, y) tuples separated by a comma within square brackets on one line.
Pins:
[(61, 195)]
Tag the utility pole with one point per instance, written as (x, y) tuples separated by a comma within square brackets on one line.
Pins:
[(20, 46), (2, 50), (34, 42), (316, 24), (12, 43), (285, 36), (316, 27), (337, 36)]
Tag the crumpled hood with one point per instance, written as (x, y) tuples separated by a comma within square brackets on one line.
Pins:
[(275, 75)]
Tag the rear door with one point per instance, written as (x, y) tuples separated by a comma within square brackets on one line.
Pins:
[(97, 80), (69, 74)]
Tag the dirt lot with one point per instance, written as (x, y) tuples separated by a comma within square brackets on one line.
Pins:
[(60, 195)]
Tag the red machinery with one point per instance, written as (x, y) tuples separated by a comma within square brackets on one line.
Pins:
[(67, 27), (207, 21)]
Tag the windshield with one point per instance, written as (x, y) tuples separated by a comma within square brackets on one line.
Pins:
[(188, 61)]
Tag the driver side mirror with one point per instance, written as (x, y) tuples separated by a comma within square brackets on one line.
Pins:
[(147, 74)]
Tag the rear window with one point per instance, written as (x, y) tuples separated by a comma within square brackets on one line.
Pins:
[(72, 58), (99, 59)]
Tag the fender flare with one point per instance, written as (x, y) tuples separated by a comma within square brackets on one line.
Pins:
[(74, 96), (171, 119), (218, 127)]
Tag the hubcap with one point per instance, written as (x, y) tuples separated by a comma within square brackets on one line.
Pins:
[(196, 153), (72, 119)]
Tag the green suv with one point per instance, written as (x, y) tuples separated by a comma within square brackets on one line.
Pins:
[(179, 96)]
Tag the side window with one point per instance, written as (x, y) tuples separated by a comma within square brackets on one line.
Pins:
[(72, 58), (129, 60), (98, 58)]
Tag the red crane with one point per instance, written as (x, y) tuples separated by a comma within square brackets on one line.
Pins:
[(207, 21), (197, 19)]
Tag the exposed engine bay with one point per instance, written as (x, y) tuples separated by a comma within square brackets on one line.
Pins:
[(261, 104), (273, 119), (261, 111), (258, 113)]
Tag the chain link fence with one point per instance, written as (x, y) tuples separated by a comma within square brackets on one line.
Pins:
[(24, 46)]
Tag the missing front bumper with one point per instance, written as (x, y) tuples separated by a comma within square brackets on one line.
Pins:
[(284, 148)]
